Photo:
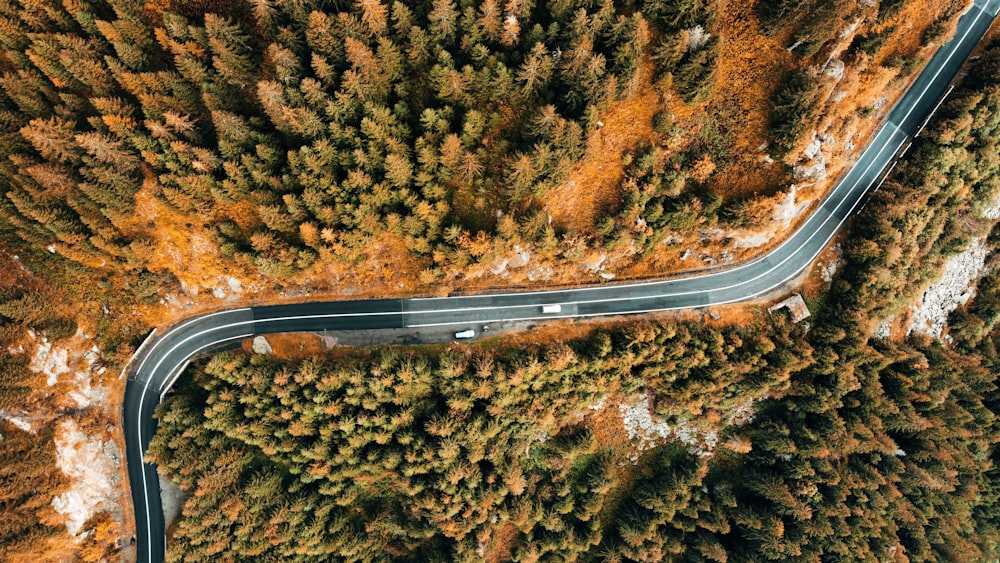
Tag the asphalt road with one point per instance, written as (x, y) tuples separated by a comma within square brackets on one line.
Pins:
[(164, 357)]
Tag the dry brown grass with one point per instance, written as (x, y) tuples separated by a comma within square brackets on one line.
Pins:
[(291, 345), (608, 426), (183, 246), (593, 184), (750, 66), (59, 548)]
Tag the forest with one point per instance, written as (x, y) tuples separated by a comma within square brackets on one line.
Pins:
[(280, 141), (289, 135), (861, 447)]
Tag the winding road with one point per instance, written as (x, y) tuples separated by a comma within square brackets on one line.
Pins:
[(164, 356)]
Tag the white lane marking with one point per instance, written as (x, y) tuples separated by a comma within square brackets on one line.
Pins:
[(165, 388), (815, 232), (170, 381), (186, 323), (142, 399), (204, 332), (954, 48), (680, 307), (933, 111), (884, 177)]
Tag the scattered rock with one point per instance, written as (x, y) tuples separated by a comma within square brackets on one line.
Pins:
[(51, 362), (540, 273), (606, 275), (828, 270), (849, 31), (766, 159), (812, 151), (883, 330), (520, 258), (744, 412), (754, 240), (92, 467), (67, 363), (595, 264), (763, 146), (992, 212), (646, 429), (710, 234), (21, 421), (599, 404), (814, 172), (697, 38), (219, 292), (786, 211), (714, 314), (880, 103), (499, 266), (686, 254), (834, 69), (261, 345), (955, 288), (235, 285), (640, 425)]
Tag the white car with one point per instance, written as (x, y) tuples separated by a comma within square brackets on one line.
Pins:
[(469, 333), (550, 309)]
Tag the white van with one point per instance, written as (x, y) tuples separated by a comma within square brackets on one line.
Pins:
[(550, 309), (466, 334)]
